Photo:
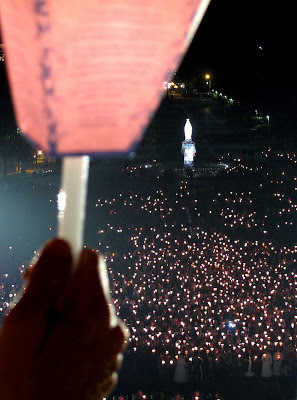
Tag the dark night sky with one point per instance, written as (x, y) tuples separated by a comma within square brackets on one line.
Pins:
[(232, 31), (227, 46)]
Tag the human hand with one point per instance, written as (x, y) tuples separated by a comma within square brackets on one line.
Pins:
[(62, 339)]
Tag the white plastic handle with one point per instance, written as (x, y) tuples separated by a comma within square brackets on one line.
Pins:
[(72, 201)]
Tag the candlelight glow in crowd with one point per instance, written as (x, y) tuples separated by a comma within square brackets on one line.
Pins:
[(212, 282), (190, 290)]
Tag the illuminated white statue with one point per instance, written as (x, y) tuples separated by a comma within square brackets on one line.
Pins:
[(188, 130), (188, 146)]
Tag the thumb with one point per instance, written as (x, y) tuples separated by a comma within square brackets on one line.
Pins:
[(48, 278), (26, 324)]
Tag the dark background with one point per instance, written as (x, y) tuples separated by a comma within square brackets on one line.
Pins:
[(248, 47)]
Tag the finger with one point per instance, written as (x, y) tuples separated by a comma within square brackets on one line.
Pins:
[(107, 353), (84, 317), (87, 299), (117, 339), (47, 279), (126, 333), (83, 334), (109, 385), (24, 328), (28, 273), (113, 365), (104, 388), (102, 374), (106, 356)]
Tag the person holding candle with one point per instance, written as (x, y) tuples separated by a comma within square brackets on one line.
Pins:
[(249, 361), (180, 374), (277, 363), (266, 365), (61, 340)]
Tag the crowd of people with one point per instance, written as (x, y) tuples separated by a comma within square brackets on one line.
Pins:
[(218, 295), (205, 284)]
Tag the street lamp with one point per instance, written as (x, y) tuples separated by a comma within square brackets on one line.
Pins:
[(208, 81), (268, 119)]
